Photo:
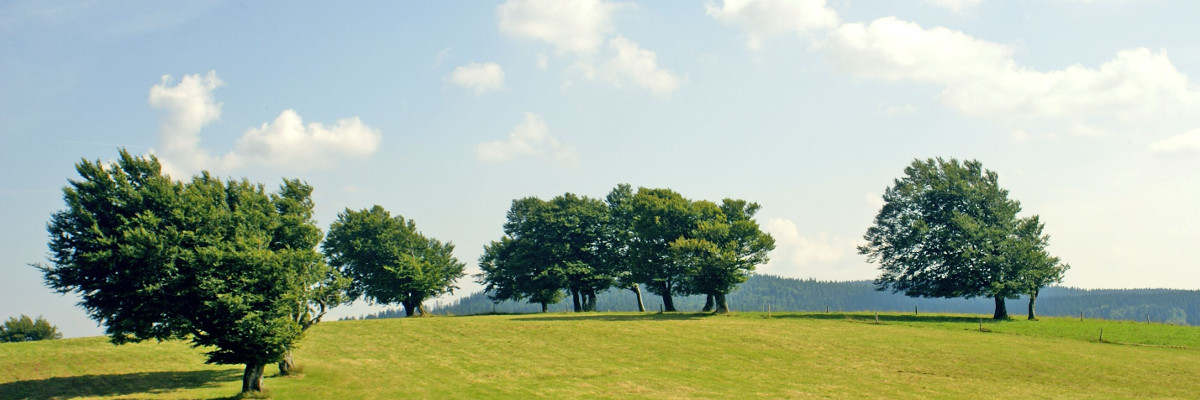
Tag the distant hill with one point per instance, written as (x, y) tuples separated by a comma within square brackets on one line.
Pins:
[(789, 294)]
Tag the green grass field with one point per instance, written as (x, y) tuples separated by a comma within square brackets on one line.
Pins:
[(672, 356)]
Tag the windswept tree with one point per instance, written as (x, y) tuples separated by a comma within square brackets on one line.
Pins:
[(658, 218), (220, 263), (618, 239), (389, 261), (1040, 269), (25, 329), (550, 246), (722, 250), (947, 229)]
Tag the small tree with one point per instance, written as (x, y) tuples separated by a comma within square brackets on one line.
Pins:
[(389, 261), (25, 329)]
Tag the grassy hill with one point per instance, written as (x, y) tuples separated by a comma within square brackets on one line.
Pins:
[(673, 356)]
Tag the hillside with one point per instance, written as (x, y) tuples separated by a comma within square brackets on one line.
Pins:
[(628, 355), (787, 294)]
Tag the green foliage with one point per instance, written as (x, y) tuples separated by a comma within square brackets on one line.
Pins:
[(25, 329), (388, 260), (947, 229), (223, 264)]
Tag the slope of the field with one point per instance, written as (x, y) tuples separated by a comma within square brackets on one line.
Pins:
[(672, 356)]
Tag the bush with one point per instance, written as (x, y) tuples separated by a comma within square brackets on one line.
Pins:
[(25, 329)]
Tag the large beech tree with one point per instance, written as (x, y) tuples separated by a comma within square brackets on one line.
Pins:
[(223, 264), (389, 261), (723, 249), (947, 229)]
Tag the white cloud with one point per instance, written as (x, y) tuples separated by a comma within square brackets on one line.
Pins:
[(286, 142), (530, 138), (480, 78), (631, 63), (954, 5), (579, 28), (1187, 142), (765, 18), (796, 250), (572, 26), (981, 78)]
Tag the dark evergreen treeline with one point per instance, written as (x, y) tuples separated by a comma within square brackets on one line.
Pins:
[(788, 294)]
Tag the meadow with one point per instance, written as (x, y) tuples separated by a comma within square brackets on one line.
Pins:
[(630, 355)]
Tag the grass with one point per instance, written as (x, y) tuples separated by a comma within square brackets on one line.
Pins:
[(671, 356)]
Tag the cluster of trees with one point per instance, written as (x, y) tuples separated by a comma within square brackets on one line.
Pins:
[(225, 264), (789, 294), (577, 246), (947, 229), (25, 329)]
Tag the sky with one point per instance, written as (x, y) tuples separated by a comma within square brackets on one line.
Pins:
[(444, 112)]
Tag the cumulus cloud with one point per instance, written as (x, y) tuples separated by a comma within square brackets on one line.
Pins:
[(286, 142), (530, 138), (981, 78), (634, 65), (572, 26), (794, 249), (582, 29), (480, 78), (762, 19), (1184, 143)]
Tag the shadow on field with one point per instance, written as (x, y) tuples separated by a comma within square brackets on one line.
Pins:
[(615, 317), (115, 384), (863, 316)]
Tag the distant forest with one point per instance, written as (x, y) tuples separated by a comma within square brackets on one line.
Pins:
[(1181, 307)]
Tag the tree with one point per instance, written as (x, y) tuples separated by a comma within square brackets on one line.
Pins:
[(722, 250), (1041, 269), (25, 329), (220, 263), (659, 217), (619, 237), (389, 261), (947, 229), (548, 247)]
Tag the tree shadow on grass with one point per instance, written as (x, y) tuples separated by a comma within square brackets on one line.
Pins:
[(615, 317), (116, 384), (865, 316)]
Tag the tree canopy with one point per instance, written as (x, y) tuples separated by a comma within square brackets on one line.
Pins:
[(388, 260), (25, 329), (947, 229), (223, 264), (654, 236)]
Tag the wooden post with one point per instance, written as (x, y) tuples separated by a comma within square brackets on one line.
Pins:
[(768, 311), (1147, 318), (827, 309), (915, 311), (1101, 335), (1081, 315)]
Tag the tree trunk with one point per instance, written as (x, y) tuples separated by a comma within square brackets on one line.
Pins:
[(668, 303), (638, 292), (545, 307), (722, 305), (589, 300), (1001, 310), (409, 308), (575, 298), (422, 311), (286, 364), (252, 378), (1032, 300), (708, 303)]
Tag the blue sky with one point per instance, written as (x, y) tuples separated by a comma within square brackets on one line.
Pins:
[(446, 111)]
